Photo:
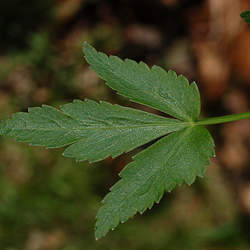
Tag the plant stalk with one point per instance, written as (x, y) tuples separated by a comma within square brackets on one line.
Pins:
[(223, 119)]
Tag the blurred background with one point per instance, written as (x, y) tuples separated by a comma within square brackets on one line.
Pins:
[(48, 202)]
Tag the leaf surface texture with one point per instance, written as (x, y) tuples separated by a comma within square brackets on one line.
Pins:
[(173, 160), (92, 130)]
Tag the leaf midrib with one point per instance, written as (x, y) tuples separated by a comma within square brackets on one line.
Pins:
[(154, 125)]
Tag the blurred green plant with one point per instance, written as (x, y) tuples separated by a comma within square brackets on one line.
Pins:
[(246, 16), (19, 19)]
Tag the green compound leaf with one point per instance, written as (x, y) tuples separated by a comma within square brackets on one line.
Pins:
[(164, 91), (93, 130), (246, 16), (172, 160)]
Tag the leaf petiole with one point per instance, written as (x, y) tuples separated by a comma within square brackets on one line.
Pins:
[(223, 119)]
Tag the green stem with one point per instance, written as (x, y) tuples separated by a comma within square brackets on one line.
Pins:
[(223, 119)]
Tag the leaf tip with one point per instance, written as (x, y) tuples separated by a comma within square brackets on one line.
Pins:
[(85, 45), (98, 234), (87, 48)]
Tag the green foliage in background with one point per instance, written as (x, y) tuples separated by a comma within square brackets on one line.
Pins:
[(246, 16), (17, 26)]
